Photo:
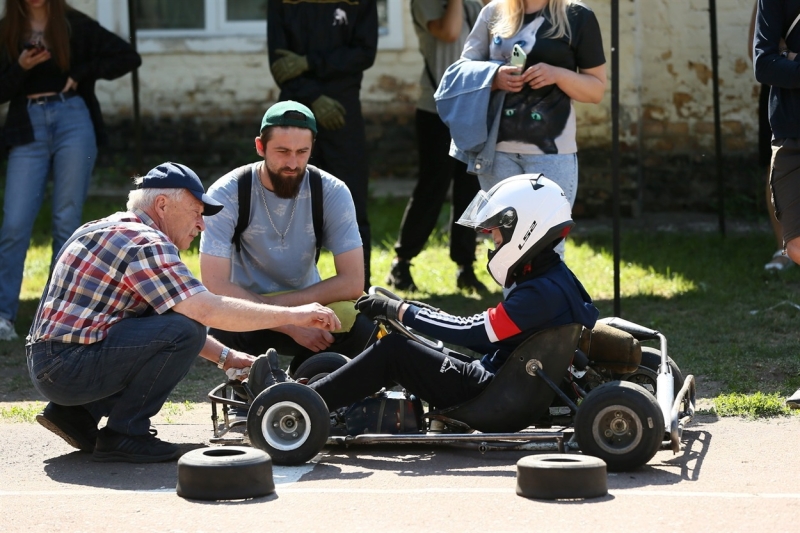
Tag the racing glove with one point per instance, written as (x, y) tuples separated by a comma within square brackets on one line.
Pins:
[(328, 112), (375, 306), (289, 66)]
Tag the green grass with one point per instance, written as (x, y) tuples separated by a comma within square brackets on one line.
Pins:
[(21, 413), (752, 406), (722, 314)]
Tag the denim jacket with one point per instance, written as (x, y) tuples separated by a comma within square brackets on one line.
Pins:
[(467, 105)]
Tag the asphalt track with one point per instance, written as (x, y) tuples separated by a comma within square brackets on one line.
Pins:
[(731, 475)]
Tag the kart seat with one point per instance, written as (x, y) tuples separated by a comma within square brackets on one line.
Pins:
[(515, 399)]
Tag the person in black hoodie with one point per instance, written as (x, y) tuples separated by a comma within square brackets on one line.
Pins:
[(318, 52), (777, 37), (50, 58), (527, 215)]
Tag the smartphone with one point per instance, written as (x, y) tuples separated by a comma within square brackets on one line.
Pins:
[(518, 57), (33, 46)]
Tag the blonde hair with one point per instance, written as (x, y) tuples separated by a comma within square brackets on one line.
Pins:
[(509, 15)]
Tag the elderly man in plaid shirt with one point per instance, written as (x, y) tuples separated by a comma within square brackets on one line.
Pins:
[(122, 319)]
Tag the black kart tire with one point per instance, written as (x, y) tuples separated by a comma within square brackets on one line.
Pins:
[(621, 423), (647, 373), (290, 422), (557, 476), (321, 363), (225, 473)]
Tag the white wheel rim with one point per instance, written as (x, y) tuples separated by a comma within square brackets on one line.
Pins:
[(286, 426), (617, 430)]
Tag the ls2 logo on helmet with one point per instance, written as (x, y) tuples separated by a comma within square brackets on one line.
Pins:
[(527, 234)]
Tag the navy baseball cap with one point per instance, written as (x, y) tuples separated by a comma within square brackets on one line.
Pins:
[(176, 176), (289, 113)]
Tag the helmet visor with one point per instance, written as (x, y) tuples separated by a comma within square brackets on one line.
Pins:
[(470, 217), (485, 214)]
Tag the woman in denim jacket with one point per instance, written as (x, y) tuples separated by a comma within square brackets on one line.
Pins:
[(535, 126)]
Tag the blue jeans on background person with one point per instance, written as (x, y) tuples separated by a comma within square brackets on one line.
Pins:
[(559, 168), (127, 376), (65, 145)]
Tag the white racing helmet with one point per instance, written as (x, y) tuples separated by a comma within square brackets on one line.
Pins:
[(532, 214)]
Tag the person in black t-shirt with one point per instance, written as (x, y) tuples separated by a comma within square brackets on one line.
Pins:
[(50, 57), (565, 62)]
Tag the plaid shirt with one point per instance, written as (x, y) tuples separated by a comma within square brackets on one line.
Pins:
[(121, 271)]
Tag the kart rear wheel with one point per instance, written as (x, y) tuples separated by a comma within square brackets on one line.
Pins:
[(621, 423), (321, 363), (647, 373), (290, 422), (224, 473), (555, 476)]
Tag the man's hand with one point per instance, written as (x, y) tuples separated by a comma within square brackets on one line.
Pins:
[(313, 339), (376, 306), (237, 359), (314, 315), (328, 112), (289, 66)]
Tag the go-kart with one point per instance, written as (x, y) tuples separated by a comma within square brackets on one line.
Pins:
[(598, 391)]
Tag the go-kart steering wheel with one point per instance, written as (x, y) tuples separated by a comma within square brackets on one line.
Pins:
[(400, 327)]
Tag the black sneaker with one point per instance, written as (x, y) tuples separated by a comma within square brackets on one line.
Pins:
[(465, 279), (117, 447), (74, 424), (400, 276), (260, 377)]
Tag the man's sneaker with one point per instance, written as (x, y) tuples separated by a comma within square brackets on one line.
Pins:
[(261, 377), (465, 279), (73, 424), (7, 332), (117, 447), (278, 373), (400, 275), (793, 401)]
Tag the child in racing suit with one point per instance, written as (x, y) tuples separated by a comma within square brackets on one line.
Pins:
[(527, 216)]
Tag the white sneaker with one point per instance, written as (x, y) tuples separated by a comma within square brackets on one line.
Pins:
[(7, 332), (793, 401)]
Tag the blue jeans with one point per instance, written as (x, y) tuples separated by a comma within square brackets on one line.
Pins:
[(127, 376), (64, 144), (560, 168)]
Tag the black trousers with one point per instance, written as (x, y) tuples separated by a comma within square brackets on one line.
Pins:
[(442, 379), (258, 342), (343, 153), (436, 170), (785, 185)]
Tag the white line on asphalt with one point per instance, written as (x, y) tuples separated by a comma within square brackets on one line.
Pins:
[(430, 490)]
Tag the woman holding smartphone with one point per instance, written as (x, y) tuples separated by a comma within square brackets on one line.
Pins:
[(50, 57), (562, 53)]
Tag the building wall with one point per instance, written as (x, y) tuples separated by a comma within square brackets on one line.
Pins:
[(194, 95), (665, 85)]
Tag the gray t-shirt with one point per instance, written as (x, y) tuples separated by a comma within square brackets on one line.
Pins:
[(437, 54), (265, 264)]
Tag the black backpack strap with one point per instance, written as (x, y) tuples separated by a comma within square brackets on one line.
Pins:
[(315, 183), (244, 179)]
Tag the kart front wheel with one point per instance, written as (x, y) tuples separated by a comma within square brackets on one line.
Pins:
[(290, 422), (621, 423)]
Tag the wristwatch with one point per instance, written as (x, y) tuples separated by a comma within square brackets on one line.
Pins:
[(222, 358), (785, 53)]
